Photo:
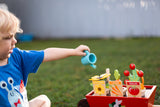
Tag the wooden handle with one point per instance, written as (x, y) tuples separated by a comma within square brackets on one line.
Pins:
[(155, 105), (150, 105)]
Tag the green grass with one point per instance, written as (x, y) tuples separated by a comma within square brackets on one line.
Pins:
[(65, 81)]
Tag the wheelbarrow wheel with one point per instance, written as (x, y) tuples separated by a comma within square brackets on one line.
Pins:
[(83, 103)]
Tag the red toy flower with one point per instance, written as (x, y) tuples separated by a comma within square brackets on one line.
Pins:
[(132, 66), (140, 73), (126, 73)]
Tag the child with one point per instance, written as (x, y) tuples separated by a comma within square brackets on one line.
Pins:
[(16, 64)]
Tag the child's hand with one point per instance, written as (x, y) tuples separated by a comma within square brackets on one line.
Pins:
[(79, 51)]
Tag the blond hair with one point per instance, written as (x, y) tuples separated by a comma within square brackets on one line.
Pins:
[(9, 23)]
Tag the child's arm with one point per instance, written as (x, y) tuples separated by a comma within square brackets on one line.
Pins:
[(51, 54)]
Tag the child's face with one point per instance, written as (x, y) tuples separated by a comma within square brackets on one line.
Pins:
[(7, 43)]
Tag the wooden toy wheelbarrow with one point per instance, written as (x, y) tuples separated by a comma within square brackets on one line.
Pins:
[(109, 101)]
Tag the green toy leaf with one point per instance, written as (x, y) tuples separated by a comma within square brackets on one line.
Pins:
[(116, 74), (134, 77)]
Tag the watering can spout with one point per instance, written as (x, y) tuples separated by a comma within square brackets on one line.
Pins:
[(93, 66)]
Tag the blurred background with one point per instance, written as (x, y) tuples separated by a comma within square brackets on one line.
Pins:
[(87, 18), (119, 32)]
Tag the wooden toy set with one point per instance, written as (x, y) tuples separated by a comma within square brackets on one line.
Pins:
[(113, 93)]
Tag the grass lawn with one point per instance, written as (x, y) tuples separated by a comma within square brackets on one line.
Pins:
[(65, 81)]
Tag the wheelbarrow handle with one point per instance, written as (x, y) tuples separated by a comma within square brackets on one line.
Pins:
[(155, 105), (150, 105)]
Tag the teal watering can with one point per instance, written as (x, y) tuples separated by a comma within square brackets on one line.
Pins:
[(89, 59)]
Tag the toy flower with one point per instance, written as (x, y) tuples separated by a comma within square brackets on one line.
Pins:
[(99, 89)]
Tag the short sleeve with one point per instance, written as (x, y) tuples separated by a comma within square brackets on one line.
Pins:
[(29, 61)]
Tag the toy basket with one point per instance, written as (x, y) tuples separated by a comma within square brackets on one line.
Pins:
[(108, 101)]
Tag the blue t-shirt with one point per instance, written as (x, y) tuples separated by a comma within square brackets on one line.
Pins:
[(14, 75)]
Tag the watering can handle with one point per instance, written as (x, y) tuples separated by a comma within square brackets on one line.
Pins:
[(87, 52)]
